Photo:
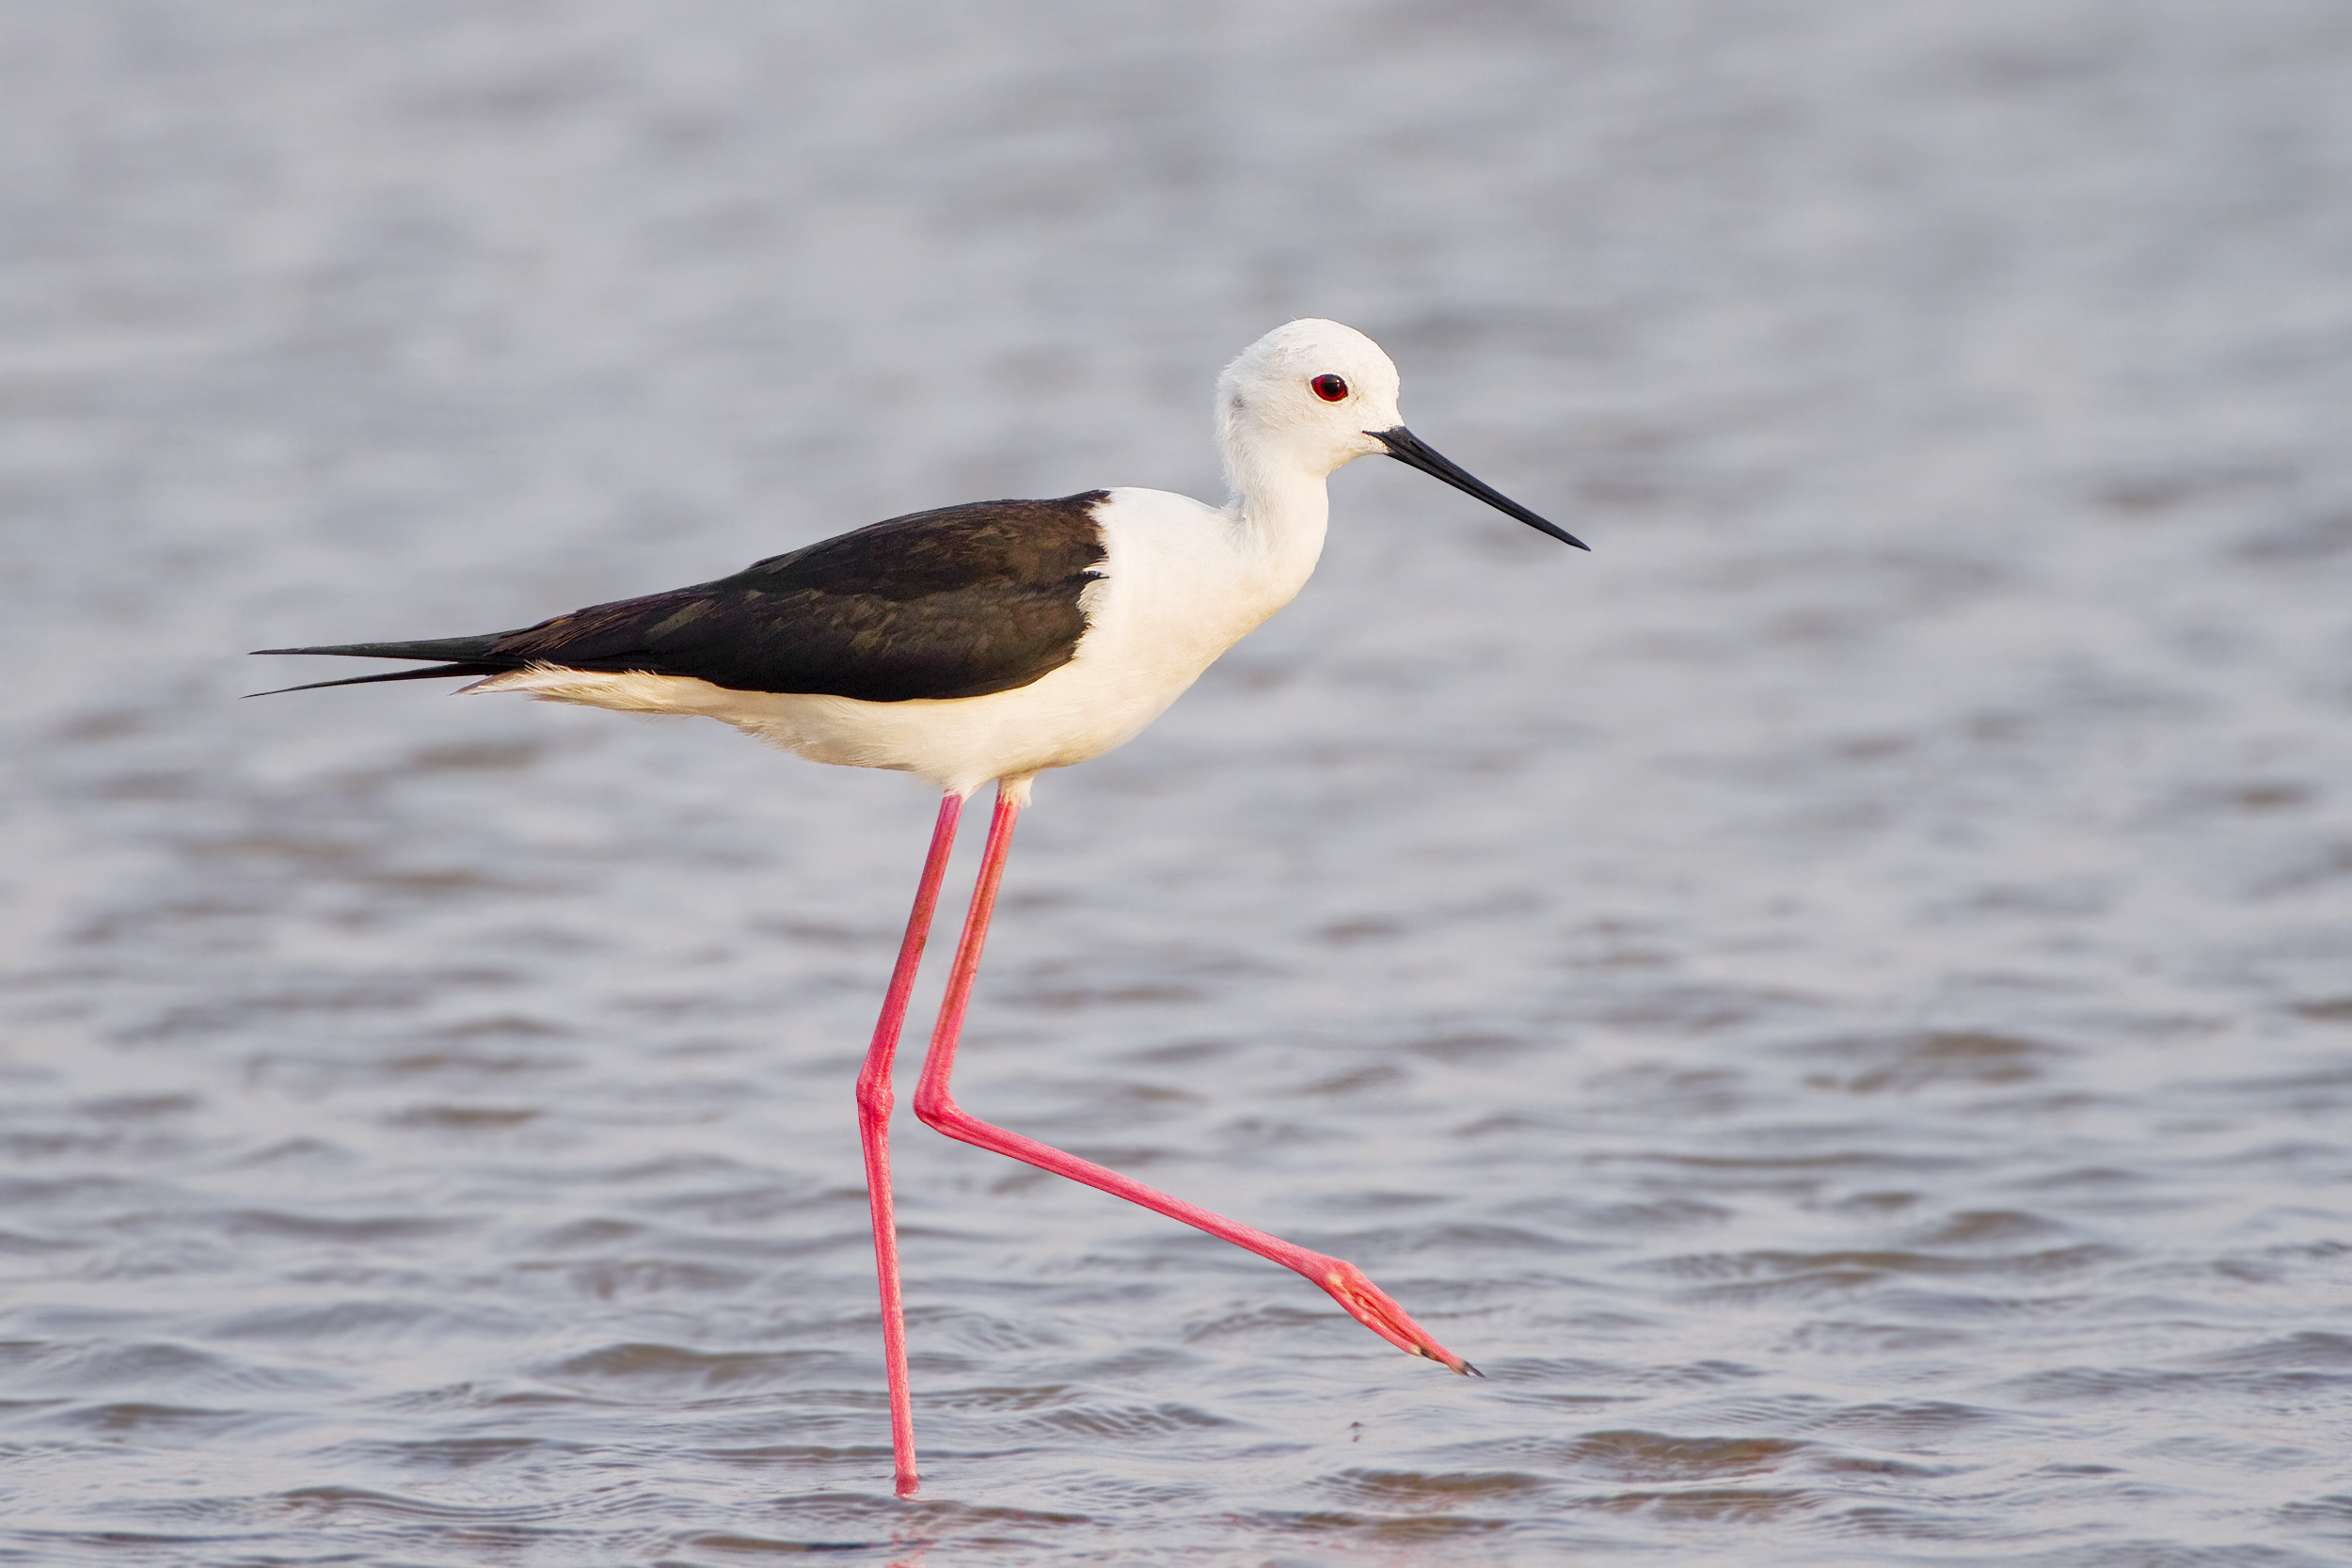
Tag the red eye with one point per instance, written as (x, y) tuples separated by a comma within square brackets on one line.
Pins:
[(1330, 388)]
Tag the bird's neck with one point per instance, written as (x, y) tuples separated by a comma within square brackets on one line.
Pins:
[(1278, 512)]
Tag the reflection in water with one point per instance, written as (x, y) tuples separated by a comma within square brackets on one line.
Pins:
[(1838, 1004)]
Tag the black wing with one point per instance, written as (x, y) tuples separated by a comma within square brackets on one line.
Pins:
[(958, 602)]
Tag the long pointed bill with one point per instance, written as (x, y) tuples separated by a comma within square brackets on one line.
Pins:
[(1410, 449)]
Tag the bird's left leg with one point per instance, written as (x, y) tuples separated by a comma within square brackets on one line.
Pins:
[(1363, 1301)]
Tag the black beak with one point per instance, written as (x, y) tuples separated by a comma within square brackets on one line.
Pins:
[(1410, 449)]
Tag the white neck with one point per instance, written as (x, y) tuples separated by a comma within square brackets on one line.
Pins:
[(1278, 510)]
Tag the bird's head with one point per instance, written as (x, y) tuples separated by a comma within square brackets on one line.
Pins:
[(1311, 392), (1312, 395)]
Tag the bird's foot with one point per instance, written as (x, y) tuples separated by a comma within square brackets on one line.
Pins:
[(1371, 1306)]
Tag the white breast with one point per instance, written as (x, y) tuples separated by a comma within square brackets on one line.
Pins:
[(1181, 583)]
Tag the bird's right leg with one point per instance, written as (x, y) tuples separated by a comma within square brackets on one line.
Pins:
[(874, 1102), (1344, 1281)]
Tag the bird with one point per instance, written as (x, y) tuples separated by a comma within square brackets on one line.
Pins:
[(988, 643)]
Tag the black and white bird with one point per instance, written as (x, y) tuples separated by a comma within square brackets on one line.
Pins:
[(988, 643)]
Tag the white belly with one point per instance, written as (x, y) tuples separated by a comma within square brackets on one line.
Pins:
[(1181, 584)]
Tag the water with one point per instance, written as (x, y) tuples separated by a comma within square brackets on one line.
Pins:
[(1840, 1000)]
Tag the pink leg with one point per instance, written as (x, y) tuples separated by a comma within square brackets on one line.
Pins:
[(1364, 1300), (874, 1102)]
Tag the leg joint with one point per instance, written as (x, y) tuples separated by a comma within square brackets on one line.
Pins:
[(937, 1109)]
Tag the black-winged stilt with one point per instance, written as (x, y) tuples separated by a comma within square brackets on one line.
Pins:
[(991, 641)]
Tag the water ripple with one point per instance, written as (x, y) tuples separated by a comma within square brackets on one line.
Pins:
[(1837, 1001)]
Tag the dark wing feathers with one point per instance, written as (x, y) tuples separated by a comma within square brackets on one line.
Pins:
[(455, 648), (958, 602), (435, 671)]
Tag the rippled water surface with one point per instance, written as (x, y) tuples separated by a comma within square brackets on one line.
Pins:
[(1839, 1000)]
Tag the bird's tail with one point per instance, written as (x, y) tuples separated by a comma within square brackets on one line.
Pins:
[(462, 656)]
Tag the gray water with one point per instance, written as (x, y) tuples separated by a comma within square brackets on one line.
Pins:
[(1839, 1000)]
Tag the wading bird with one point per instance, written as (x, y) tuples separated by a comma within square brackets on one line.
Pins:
[(989, 642)]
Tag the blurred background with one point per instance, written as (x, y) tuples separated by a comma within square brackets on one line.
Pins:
[(1839, 1000)]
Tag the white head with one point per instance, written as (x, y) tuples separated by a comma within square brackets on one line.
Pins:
[(1307, 395), (1312, 395)]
